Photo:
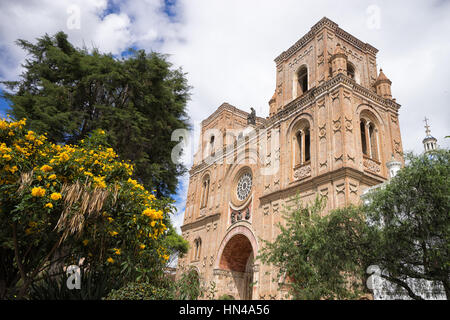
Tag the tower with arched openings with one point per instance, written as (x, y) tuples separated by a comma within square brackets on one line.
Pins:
[(332, 127)]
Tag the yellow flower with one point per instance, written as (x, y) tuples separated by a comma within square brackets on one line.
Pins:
[(110, 219), (99, 182), (142, 246), (30, 136), (52, 177), (64, 156), (49, 205), (38, 192), (55, 196), (87, 173), (116, 251), (113, 233), (32, 224), (110, 260), (46, 168)]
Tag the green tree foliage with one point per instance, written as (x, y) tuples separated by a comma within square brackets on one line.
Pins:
[(403, 227), (142, 291), (187, 287), (411, 224), (139, 101), (315, 255)]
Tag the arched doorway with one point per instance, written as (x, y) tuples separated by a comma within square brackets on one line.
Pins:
[(234, 272)]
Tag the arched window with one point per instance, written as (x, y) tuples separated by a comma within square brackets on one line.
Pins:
[(197, 249), (211, 145), (205, 192), (302, 145), (302, 78), (351, 70), (369, 139), (363, 137)]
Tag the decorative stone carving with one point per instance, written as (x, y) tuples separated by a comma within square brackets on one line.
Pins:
[(324, 192), (302, 172), (321, 103), (238, 215), (340, 188), (371, 165), (397, 148), (339, 158), (323, 131), (353, 188), (323, 164), (348, 124), (337, 125), (298, 59), (394, 119), (275, 207), (347, 95), (266, 209)]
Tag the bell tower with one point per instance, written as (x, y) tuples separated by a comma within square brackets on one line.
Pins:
[(331, 102), (430, 142)]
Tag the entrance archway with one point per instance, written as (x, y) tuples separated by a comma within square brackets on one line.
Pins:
[(234, 272)]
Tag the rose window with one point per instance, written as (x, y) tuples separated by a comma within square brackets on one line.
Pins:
[(244, 186)]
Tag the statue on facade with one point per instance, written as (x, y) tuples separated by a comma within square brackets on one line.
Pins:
[(251, 119)]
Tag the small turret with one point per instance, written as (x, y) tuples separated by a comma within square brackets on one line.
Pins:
[(338, 61), (393, 166), (383, 86), (273, 104), (430, 142)]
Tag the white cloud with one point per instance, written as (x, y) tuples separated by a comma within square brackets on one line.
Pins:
[(228, 47)]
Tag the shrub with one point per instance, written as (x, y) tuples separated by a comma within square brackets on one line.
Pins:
[(141, 291), (74, 204)]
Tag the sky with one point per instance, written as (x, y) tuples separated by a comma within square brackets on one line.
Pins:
[(228, 47)]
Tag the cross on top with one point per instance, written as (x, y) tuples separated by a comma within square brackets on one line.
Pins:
[(427, 127)]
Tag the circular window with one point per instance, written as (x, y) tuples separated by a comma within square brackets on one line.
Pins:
[(244, 186)]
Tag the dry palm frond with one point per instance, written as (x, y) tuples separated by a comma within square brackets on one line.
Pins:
[(24, 181), (80, 203)]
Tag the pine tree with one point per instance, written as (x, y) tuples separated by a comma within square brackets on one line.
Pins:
[(69, 92)]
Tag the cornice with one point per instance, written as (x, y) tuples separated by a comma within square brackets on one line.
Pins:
[(315, 182), (308, 99), (234, 110), (313, 94), (200, 222), (325, 23)]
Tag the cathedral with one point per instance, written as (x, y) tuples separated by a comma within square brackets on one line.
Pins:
[(332, 128)]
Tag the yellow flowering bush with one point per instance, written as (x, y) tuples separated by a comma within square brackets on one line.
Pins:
[(78, 197)]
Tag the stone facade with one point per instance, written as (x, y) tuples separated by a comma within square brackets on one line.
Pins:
[(332, 127)]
